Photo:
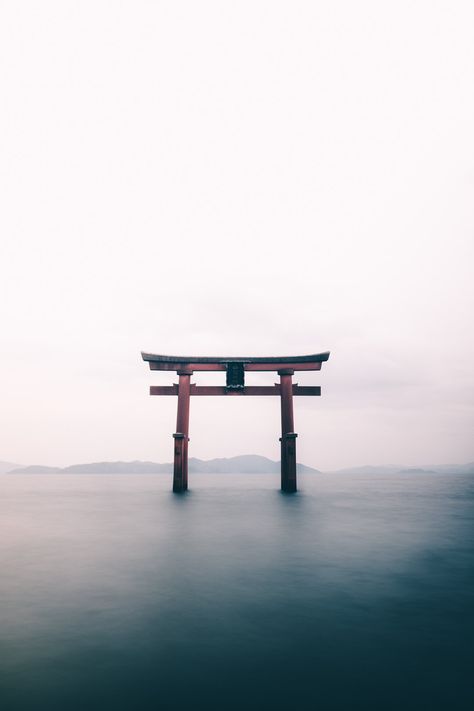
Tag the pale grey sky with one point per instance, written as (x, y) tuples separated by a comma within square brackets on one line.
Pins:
[(220, 178)]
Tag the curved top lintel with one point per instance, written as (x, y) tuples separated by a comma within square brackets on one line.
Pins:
[(157, 358)]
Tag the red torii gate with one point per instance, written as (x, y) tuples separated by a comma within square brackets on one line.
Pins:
[(235, 385)]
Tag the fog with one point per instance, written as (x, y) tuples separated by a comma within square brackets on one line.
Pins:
[(264, 178)]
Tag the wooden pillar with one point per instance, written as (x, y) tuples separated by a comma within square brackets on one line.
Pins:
[(288, 436), (181, 436)]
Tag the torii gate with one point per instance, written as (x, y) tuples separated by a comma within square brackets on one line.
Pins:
[(235, 385)]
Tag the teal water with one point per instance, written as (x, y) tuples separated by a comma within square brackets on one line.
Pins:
[(355, 593)]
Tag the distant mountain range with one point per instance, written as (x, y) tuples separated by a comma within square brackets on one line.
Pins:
[(244, 464), (403, 469)]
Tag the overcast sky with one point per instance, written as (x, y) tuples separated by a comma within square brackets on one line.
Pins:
[(223, 178)]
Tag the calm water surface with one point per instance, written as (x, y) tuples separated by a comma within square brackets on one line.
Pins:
[(355, 593)]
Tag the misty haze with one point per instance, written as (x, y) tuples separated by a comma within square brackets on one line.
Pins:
[(214, 179)]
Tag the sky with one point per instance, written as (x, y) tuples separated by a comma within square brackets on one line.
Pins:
[(252, 178)]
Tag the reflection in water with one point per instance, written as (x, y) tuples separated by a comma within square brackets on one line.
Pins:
[(354, 593)]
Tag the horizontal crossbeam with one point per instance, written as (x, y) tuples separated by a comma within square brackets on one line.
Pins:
[(247, 390), (254, 367)]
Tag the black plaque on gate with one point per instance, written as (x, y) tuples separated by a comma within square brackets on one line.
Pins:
[(235, 375)]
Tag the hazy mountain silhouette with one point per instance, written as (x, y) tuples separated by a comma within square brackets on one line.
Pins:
[(404, 469), (244, 464)]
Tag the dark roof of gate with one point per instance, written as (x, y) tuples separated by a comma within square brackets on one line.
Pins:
[(314, 358)]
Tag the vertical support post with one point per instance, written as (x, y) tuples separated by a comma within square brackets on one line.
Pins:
[(181, 436), (288, 436)]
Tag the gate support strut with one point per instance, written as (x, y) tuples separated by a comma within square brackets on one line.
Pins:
[(181, 436), (288, 436)]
